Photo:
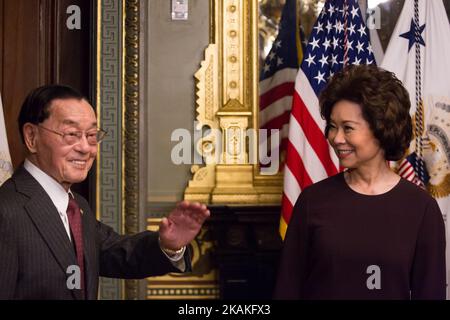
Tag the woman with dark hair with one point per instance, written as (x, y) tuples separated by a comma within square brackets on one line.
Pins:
[(364, 233)]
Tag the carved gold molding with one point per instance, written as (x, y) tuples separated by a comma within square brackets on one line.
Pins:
[(131, 127), (227, 100)]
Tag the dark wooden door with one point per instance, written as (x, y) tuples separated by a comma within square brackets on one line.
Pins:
[(38, 48)]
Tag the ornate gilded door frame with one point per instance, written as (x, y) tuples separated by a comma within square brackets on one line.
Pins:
[(116, 94), (227, 102)]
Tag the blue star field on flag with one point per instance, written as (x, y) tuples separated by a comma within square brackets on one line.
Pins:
[(324, 54), (283, 53)]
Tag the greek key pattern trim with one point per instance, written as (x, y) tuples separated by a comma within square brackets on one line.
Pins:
[(110, 74)]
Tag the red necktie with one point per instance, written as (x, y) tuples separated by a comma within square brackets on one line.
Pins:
[(74, 216)]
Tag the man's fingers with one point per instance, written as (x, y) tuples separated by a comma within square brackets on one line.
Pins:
[(190, 205), (163, 225), (187, 210), (183, 204), (201, 216), (202, 212)]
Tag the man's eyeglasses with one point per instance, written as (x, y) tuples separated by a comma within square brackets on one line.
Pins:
[(73, 137)]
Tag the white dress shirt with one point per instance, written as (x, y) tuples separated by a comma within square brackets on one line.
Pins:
[(58, 195), (60, 198)]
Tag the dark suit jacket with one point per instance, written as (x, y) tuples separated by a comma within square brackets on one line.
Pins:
[(35, 250)]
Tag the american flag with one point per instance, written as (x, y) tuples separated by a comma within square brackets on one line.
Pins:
[(408, 169), (278, 76), (339, 37)]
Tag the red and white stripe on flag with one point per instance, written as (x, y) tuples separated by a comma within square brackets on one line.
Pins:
[(277, 80), (309, 156)]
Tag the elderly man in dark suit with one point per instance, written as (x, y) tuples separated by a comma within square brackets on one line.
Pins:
[(51, 245)]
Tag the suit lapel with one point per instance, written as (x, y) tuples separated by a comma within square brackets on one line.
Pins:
[(46, 218)]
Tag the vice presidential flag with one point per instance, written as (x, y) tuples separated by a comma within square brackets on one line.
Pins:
[(339, 37), (5, 158), (419, 54)]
